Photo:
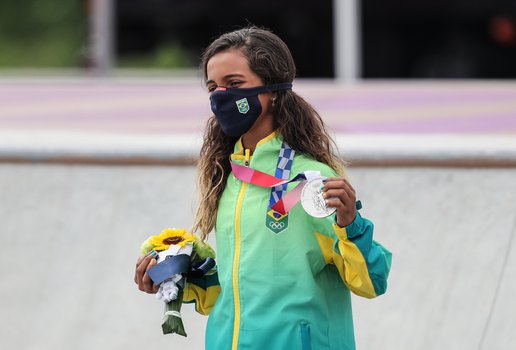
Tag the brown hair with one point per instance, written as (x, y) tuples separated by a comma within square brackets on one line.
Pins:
[(296, 120)]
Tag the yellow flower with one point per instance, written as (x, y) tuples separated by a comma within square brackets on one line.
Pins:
[(170, 236)]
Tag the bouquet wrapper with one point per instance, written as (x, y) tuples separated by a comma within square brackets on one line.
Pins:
[(172, 321), (177, 252)]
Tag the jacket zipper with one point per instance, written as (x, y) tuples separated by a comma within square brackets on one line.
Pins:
[(306, 343), (236, 258)]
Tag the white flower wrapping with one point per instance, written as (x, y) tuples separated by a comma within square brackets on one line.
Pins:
[(168, 289)]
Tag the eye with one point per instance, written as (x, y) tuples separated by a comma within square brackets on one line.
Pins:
[(235, 83), (211, 88)]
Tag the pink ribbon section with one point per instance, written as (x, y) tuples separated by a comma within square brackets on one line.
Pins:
[(288, 201), (262, 179), (255, 177)]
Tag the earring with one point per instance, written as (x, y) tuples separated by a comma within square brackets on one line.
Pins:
[(273, 101)]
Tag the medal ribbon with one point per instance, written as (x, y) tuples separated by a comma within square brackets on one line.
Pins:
[(258, 178), (285, 160), (279, 201)]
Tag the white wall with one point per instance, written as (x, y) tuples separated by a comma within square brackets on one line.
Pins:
[(69, 239)]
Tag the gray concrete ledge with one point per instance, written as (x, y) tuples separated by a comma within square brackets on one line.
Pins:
[(69, 147)]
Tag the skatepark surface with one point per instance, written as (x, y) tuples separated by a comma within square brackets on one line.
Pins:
[(74, 209)]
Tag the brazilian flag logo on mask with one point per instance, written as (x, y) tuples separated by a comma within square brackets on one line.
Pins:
[(243, 106)]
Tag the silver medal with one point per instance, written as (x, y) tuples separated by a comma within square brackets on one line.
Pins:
[(312, 199)]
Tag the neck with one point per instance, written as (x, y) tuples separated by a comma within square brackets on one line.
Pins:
[(258, 132), (250, 140)]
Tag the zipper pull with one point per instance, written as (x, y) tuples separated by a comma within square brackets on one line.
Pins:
[(247, 157)]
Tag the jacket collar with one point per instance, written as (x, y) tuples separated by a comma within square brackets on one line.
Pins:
[(270, 143)]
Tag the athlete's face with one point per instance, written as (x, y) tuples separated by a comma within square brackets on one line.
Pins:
[(231, 68)]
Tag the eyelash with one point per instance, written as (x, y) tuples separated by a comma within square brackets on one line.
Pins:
[(232, 84)]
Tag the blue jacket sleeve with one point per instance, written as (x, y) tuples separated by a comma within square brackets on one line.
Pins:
[(363, 263)]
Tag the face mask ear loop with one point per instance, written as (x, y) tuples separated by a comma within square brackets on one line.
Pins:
[(280, 87)]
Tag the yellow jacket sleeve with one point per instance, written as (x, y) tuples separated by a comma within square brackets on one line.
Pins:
[(363, 264), (203, 292)]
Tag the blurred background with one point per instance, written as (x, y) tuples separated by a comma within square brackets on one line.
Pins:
[(102, 111), (394, 39)]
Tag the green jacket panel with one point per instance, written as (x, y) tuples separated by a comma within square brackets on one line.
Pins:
[(289, 290)]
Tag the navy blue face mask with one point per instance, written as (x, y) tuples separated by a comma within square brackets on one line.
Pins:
[(237, 109)]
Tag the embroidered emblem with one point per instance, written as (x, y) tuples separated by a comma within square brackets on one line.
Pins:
[(242, 105), (275, 221)]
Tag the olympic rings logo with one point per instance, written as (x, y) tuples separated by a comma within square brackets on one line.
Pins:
[(276, 225)]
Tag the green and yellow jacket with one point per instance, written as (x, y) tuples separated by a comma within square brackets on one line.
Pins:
[(286, 290)]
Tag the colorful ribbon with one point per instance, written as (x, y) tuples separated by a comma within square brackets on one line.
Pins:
[(285, 160), (279, 201), (258, 178)]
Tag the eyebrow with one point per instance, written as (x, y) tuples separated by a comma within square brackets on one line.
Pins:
[(226, 77)]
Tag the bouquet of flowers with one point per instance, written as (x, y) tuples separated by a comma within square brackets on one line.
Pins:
[(179, 254)]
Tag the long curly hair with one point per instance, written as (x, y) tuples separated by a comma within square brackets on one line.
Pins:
[(295, 119)]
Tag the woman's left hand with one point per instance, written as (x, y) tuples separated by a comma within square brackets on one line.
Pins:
[(339, 194)]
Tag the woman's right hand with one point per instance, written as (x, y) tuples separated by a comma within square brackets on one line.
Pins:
[(141, 278)]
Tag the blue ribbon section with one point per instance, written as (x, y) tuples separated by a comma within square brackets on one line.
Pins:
[(201, 268), (285, 159), (169, 267)]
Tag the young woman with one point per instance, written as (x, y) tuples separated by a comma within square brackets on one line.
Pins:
[(284, 278)]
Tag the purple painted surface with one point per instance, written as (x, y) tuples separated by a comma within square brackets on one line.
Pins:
[(381, 101), (477, 124), (163, 106)]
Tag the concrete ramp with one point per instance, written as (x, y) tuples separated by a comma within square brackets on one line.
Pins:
[(451, 232), (434, 164), (69, 239)]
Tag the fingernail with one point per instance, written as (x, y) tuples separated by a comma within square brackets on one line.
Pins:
[(153, 253), (324, 180)]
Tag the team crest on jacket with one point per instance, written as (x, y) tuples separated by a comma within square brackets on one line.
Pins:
[(242, 105), (275, 221)]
